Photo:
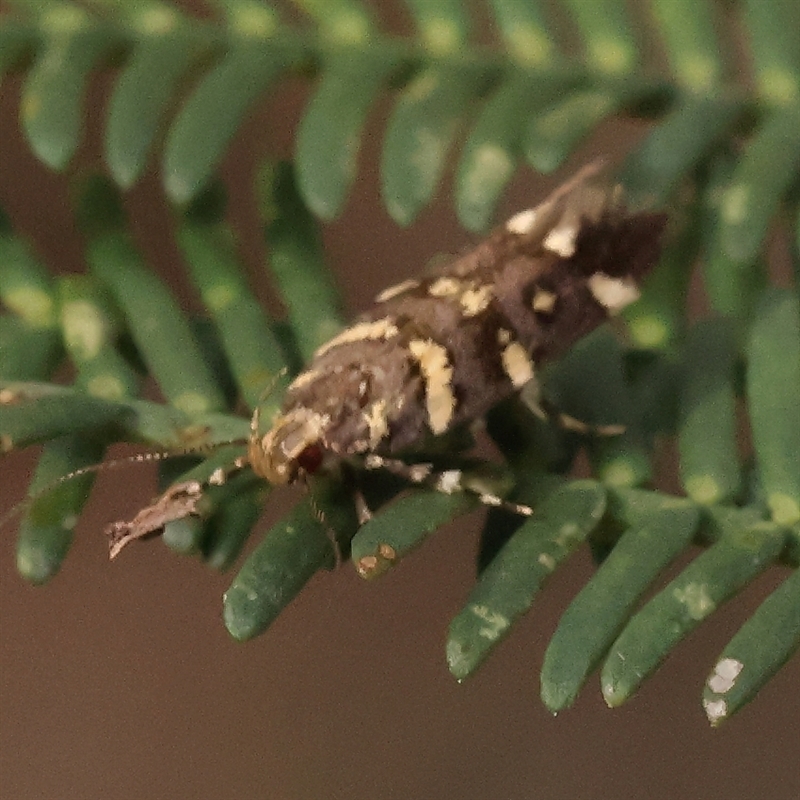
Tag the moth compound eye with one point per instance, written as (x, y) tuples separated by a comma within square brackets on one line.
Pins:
[(289, 446), (310, 460)]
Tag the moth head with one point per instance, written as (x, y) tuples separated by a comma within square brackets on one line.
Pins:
[(294, 444)]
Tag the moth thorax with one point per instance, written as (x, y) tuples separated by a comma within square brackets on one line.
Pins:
[(293, 444)]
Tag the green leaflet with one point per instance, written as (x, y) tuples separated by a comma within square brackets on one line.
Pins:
[(328, 139), (707, 443), (395, 531), (142, 98), (760, 648), (291, 552), (773, 379), (601, 609), (743, 551), (508, 586)]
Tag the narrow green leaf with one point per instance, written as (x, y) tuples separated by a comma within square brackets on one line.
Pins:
[(742, 553), (598, 613), (27, 354), (210, 117), (45, 531), (773, 382), (443, 24), (733, 285), (52, 96), (291, 552), (17, 39), (230, 527), (525, 31), (676, 145), (772, 36), (761, 647), (158, 326), (395, 531), (490, 153), (28, 415), (26, 287), (296, 261), (89, 329), (421, 129), (764, 173), (709, 464), (329, 136), (35, 412), (507, 587), (589, 384), (144, 91), (340, 21), (657, 321), (605, 26), (555, 133), (691, 43), (252, 349)]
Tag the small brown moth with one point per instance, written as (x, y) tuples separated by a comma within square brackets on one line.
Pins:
[(439, 351)]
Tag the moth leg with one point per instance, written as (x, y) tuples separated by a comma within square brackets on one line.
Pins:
[(547, 411), (363, 511), (446, 481)]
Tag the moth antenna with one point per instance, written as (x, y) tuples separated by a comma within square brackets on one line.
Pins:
[(114, 463), (316, 509), (255, 421)]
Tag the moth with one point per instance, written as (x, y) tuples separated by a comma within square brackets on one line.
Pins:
[(438, 351)]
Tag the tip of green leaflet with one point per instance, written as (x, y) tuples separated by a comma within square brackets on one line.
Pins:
[(556, 696), (239, 608), (37, 565)]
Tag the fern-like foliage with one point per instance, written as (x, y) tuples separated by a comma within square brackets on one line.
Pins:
[(723, 150)]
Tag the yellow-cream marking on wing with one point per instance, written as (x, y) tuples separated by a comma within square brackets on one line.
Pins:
[(444, 287), (438, 376), (393, 291), (561, 240), (304, 378), (380, 329), (544, 302), (377, 422), (517, 364), (474, 300), (613, 293), (522, 222)]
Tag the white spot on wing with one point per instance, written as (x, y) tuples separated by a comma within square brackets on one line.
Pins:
[(613, 293), (517, 364), (437, 374), (561, 240), (444, 287), (449, 481), (522, 222)]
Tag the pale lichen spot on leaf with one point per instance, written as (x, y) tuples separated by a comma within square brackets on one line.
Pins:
[(716, 710), (85, 328), (725, 674), (696, 599), (496, 623)]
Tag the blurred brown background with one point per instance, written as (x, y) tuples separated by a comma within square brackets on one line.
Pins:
[(118, 681)]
